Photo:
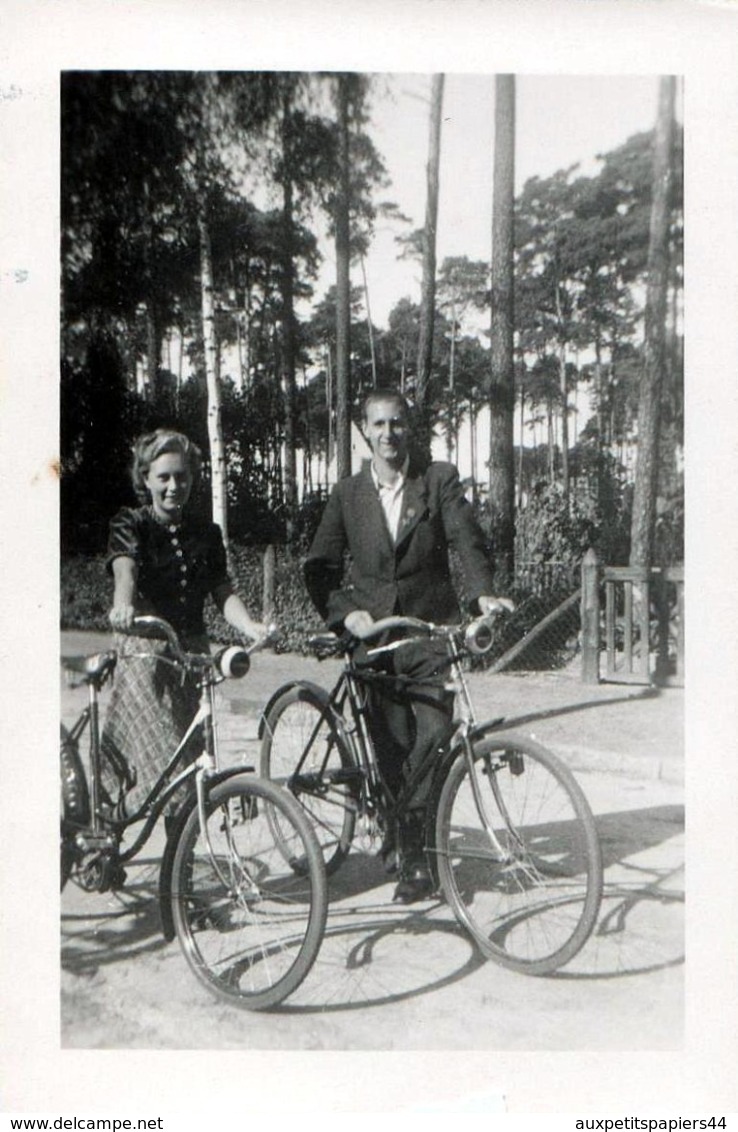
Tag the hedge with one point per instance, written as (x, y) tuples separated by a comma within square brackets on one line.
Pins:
[(86, 594), (87, 591)]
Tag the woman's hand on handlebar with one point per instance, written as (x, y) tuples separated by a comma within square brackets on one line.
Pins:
[(121, 616), (255, 630), (237, 615)]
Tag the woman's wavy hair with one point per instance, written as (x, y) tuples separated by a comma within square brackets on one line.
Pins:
[(151, 446)]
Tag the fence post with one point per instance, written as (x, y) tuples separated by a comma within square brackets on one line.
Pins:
[(267, 601), (590, 619)]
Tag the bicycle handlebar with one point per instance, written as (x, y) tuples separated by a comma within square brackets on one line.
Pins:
[(397, 622), (477, 633), (158, 626)]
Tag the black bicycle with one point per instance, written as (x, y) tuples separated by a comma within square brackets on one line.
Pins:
[(509, 834), (249, 911)]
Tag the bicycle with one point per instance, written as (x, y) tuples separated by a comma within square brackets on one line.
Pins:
[(249, 913), (509, 834)]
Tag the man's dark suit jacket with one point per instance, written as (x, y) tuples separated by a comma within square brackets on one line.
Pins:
[(412, 575)]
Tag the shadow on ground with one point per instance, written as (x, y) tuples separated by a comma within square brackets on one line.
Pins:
[(376, 952)]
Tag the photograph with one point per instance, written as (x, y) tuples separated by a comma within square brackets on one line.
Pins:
[(431, 324), (367, 427)]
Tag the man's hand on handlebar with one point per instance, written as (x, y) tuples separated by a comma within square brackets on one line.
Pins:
[(489, 605), (359, 623)]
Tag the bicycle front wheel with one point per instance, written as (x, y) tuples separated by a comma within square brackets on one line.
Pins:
[(518, 855), (303, 751), (250, 923)]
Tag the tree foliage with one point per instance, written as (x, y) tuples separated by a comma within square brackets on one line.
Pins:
[(255, 156)]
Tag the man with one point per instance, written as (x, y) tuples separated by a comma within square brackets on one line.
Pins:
[(397, 520)]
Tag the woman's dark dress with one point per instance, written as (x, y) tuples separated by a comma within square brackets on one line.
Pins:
[(150, 709)]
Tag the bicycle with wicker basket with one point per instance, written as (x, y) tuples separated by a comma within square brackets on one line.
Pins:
[(249, 912)]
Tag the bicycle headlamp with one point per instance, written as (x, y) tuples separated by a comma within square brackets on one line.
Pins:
[(233, 662), (479, 636)]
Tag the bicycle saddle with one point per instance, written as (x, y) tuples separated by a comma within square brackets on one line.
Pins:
[(91, 669)]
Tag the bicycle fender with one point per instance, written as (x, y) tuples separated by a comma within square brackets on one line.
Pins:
[(306, 685), (167, 862), (75, 796), (453, 750), (449, 752)]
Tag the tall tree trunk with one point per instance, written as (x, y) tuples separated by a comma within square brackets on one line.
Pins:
[(212, 378), (473, 447), (450, 427), (153, 335), (343, 289), (369, 325), (288, 322), (329, 407), (236, 314), (452, 350), (428, 292), (600, 387), (239, 346), (646, 481), (152, 352), (502, 370), (180, 360), (564, 403), (519, 494), (246, 337), (551, 442)]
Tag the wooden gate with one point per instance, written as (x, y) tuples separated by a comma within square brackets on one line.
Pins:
[(643, 623)]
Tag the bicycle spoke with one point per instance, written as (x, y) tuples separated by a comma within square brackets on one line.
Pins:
[(532, 907), (302, 750), (249, 922)]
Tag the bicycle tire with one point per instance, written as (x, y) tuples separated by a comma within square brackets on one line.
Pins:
[(250, 928), (533, 911), (303, 751), (74, 803)]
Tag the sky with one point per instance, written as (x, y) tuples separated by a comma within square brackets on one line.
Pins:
[(560, 120)]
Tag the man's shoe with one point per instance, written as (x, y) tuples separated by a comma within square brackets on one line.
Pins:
[(415, 883)]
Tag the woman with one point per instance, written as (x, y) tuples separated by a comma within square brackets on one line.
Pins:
[(164, 562)]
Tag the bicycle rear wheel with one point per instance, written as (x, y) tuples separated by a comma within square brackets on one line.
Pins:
[(74, 802), (530, 893), (250, 924), (303, 751)]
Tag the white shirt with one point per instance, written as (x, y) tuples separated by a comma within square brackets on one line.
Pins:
[(390, 496)]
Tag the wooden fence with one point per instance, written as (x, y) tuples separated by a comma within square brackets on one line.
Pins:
[(642, 621)]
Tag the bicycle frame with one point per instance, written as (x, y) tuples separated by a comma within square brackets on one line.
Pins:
[(204, 767), (350, 689), (241, 882), (508, 836)]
